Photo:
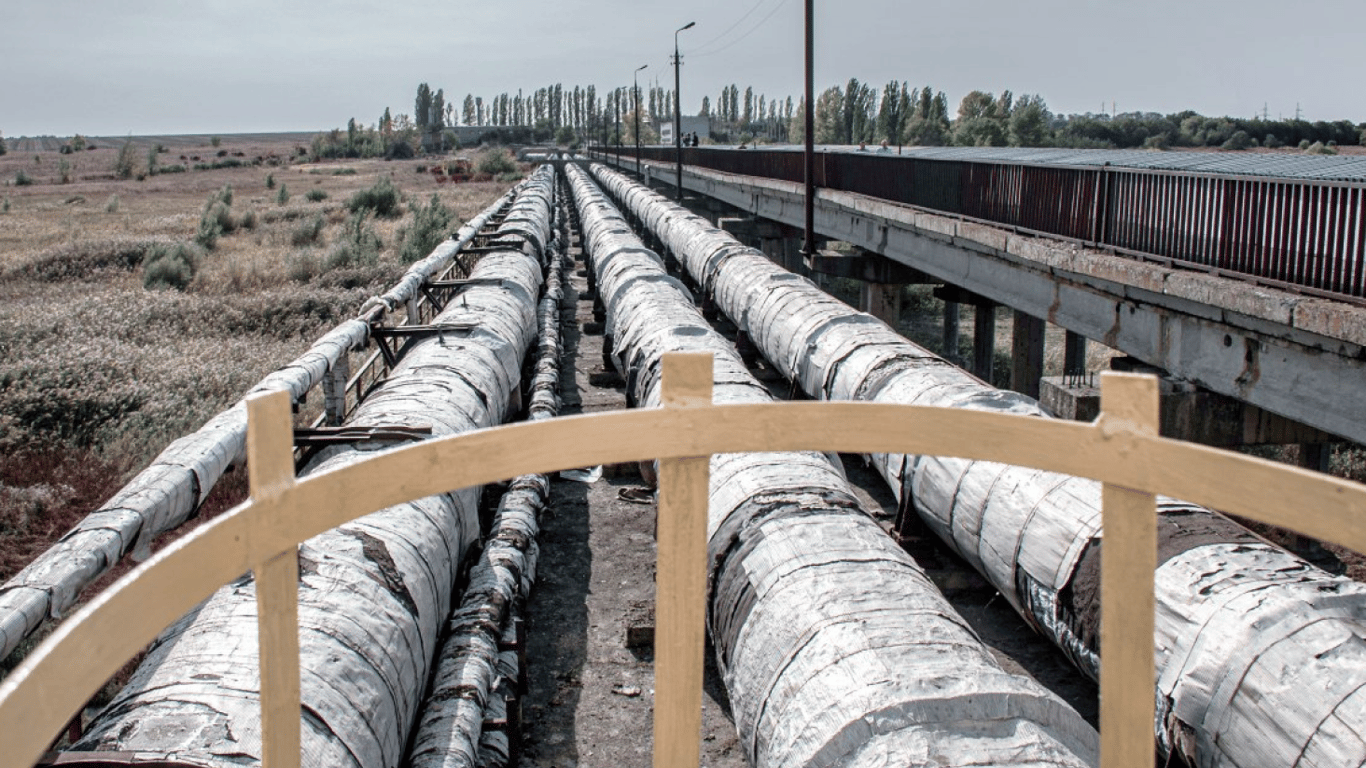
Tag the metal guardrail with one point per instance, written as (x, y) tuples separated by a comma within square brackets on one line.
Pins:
[(1121, 449), (1302, 235)]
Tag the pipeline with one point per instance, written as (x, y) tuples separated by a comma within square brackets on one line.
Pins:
[(476, 674), (170, 490), (835, 648), (373, 592), (1261, 657)]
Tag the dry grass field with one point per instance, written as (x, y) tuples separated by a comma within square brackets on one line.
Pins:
[(98, 372)]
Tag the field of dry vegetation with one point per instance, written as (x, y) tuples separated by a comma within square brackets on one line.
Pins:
[(133, 309)]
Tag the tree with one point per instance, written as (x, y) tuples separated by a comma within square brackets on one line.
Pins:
[(467, 113), (796, 121), (829, 117), (437, 117), (1029, 122), (705, 111), (891, 116), (928, 122), (857, 113), (980, 122), (422, 110), (3, 149)]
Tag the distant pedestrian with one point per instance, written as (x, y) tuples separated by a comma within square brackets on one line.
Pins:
[(884, 147)]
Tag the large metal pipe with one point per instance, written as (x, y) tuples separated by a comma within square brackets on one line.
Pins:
[(1261, 657), (464, 694), (372, 593), (835, 647), (170, 490)]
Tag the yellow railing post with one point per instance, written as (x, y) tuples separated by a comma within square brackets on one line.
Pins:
[(270, 468), (681, 577), (1129, 406)]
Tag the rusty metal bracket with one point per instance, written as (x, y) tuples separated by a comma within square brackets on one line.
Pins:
[(408, 332)]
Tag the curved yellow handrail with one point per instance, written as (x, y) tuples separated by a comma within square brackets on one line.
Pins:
[(1120, 449)]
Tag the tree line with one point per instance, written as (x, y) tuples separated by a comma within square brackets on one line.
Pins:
[(852, 113)]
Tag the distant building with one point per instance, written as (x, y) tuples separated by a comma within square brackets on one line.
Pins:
[(691, 124)]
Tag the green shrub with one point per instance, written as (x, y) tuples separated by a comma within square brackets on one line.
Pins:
[(270, 181), (22, 179), (381, 199), (316, 195), (357, 245), (4, 207), (1318, 148), (1238, 141), (64, 171), (152, 160), (344, 172), (282, 196), (112, 206), (302, 267), (431, 224), (1272, 142), (177, 168), (1304, 143), (170, 265), (126, 162), (216, 141), (206, 236), (496, 162), (248, 220), (217, 219), (307, 231)]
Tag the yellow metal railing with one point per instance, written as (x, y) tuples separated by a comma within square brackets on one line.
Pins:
[(1121, 449)]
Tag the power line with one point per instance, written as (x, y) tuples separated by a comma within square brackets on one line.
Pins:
[(727, 30), (751, 31)]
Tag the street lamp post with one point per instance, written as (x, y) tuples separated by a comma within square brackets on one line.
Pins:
[(678, 112), (635, 92), (809, 125)]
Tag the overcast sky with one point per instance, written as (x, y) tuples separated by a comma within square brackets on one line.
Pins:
[(232, 66)]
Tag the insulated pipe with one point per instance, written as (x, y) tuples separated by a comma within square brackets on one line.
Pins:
[(463, 693), (373, 592), (170, 490), (1261, 657), (835, 647)]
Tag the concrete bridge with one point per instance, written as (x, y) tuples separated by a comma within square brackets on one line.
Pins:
[(1236, 285)]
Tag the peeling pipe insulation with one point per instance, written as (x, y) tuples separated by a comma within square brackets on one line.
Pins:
[(1261, 657), (169, 491), (373, 592), (469, 667), (835, 647)]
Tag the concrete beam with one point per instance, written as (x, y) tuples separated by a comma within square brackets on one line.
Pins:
[(1302, 358), (869, 267)]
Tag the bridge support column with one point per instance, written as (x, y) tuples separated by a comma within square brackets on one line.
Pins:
[(1026, 359), (984, 341), (1074, 355), (881, 300), (951, 332)]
